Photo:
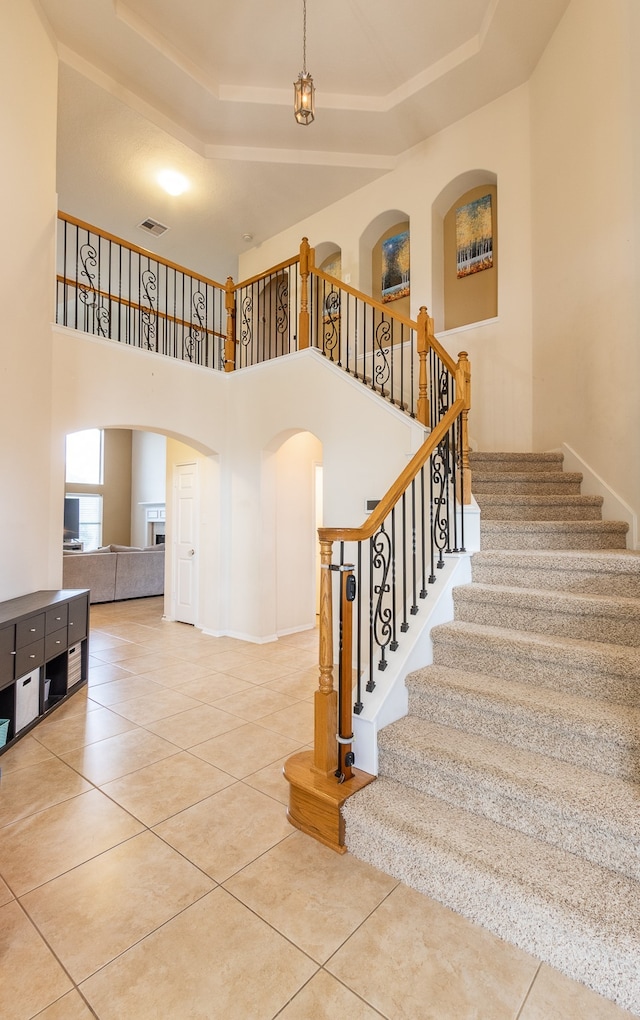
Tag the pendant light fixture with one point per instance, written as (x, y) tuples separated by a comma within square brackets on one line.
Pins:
[(303, 88)]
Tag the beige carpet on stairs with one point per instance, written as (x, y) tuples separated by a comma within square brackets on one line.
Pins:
[(511, 791)]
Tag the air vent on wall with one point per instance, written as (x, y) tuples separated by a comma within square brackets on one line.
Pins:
[(153, 227)]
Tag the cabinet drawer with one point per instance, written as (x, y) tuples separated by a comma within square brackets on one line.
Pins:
[(7, 658), (55, 644), (56, 618), (78, 612), (29, 630), (30, 656)]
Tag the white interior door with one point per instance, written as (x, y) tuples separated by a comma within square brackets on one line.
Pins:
[(185, 549)]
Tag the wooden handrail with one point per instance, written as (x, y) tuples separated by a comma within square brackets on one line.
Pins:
[(134, 247), (391, 497), (271, 272), (140, 308)]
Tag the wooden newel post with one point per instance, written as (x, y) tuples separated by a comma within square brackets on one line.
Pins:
[(230, 342), (425, 327), (325, 754), (463, 390), (345, 708), (303, 319)]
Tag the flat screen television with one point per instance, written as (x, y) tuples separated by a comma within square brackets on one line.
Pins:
[(71, 519)]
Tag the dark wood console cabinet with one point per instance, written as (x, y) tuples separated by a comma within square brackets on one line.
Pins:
[(44, 654)]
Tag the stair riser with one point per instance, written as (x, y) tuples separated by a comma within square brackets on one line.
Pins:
[(507, 511), (495, 538), (576, 582), (612, 753), (518, 915), (505, 804), (595, 627), (535, 487), (562, 671)]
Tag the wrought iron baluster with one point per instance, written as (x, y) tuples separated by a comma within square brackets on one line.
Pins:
[(381, 561)]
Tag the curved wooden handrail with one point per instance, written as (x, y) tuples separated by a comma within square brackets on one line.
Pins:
[(134, 247), (391, 497)]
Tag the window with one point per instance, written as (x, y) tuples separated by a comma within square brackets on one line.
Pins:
[(84, 457), (84, 468)]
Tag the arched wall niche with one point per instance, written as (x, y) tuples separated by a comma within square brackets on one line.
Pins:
[(329, 258), (450, 196), (382, 226)]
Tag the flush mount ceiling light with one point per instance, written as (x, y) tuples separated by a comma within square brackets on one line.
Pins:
[(172, 182), (304, 89)]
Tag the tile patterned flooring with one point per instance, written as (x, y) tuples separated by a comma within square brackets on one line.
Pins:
[(147, 868)]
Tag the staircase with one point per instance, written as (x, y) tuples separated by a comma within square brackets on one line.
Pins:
[(511, 790)]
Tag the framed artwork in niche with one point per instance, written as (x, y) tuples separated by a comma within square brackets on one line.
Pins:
[(395, 267), (474, 237)]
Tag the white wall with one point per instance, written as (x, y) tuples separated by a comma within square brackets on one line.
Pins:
[(31, 511), (235, 424), (585, 102), (493, 143), (148, 479)]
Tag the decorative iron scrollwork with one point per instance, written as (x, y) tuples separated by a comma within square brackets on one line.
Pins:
[(148, 315), (193, 340), (246, 331), (88, 293), (444, 379), (282, 305), (440, 477), (382, 615), (382, 364), (331, 323)]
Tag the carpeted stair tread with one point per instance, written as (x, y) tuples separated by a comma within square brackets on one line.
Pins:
[(481, 461), (515, 506), (527, 482), (604, 572), (588, 668), (587, 732), (603, 618), (575, 915), (565, 804), (553, 534)]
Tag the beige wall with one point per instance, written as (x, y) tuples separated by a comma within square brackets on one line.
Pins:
[(31, 515), (586, 361), (475, 297)]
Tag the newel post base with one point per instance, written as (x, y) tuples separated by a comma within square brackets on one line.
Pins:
[(315, 799)]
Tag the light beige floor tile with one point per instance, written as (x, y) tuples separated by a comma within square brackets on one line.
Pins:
[(324, 998), (214, 686), (143, 664), (167, 787), (100, 641), (30, 976), (41, 847), (222, 662), (271, 781), (227, 831), (117, 756), (5, 893), (178, 674), (435, 964), (554, 995), (38, 787), (258, 671), (101, 908), (150, 707), (295, 658), (113, 655), (255, 703), (315, 897), (195, 726), (215, 960), (125, 689), (60, 734), (105, 673), (295, 722), (301, 684), (70, 1007), (245, 750), (28, 751)]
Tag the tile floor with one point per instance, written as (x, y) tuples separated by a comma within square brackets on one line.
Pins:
[(147, 868)]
